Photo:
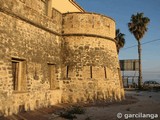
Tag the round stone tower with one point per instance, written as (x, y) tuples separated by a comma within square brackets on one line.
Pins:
[(91, 66)]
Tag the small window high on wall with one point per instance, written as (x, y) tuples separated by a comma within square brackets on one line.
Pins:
[(19, 74)]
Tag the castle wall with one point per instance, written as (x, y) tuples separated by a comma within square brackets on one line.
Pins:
[(32, 16), (34, 40), (56, 58), (38, 5), (90, 58), (90, 23)]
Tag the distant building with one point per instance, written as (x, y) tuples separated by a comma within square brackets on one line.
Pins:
[(50, 55)]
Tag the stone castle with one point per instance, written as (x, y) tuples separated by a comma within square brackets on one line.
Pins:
[(48, 57)]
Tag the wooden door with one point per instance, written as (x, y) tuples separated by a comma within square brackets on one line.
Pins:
[(52, 76)]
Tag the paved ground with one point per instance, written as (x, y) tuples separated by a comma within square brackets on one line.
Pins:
[(137, 104)]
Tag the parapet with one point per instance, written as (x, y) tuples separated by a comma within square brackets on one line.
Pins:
[(88, 24)]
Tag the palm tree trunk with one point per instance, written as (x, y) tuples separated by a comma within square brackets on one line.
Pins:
[(140, 65)]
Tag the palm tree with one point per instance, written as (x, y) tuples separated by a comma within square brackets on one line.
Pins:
[(138, 27), (120, 40)]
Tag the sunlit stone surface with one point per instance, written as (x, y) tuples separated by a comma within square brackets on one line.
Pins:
[(47, 60)]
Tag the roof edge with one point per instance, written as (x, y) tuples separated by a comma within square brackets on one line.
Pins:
[(77, 6)]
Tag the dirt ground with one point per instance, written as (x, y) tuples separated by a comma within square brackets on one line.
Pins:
[(143, 105), (135, 103)]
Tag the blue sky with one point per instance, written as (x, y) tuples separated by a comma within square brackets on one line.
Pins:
[(121, 11)]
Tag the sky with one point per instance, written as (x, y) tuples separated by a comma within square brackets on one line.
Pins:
[(121, 11)]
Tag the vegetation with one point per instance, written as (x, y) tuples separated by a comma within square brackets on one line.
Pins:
[(88, 118), (77, 110), (70, 113), (120, 40), (138, 27)]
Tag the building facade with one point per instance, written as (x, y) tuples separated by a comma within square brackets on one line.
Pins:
[(48, 57)]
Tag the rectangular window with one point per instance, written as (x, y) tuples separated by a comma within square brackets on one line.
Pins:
[(105, 72), (91, 71), (52, 76), (67, 71), (19, 74)]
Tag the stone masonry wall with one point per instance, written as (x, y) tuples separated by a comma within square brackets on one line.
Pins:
[(32, 16), (75, 53), (89, 53), (38, 5), (81, 53), (30, 36), (88, 23)]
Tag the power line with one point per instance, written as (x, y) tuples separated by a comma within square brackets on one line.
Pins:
[(141, 44), (147, 72)]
